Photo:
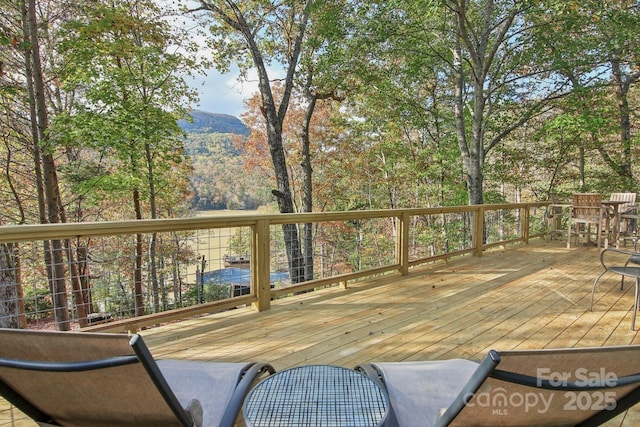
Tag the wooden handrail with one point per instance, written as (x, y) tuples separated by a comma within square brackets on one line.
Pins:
[(261, 292)]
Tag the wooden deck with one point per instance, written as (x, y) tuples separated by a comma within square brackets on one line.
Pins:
[(525, 296)]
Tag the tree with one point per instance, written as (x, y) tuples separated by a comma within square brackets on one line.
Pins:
[(321, 79), (130, 65), (613, 45), (11, 296), (466, 65), (50, 204), (256, 33)]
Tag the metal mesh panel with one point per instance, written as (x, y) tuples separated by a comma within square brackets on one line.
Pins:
[(316, 396)]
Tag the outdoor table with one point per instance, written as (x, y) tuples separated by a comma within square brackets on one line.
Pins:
[(316, 395)]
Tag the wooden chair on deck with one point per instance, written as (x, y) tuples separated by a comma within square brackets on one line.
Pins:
[(586, 211), (628, 214), (555, 214)]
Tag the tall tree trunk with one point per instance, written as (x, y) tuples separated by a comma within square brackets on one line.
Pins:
[(10, 313), (54, 253), (622, 86), (482, 44), (13, 257), (154, 237), (137, 269), (79, 296), (307, 187), (461, 133), (283, 191), (232, 14), (84, 275)]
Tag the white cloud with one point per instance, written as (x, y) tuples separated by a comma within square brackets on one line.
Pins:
[(218, 93), (222, 93), (226, 93)]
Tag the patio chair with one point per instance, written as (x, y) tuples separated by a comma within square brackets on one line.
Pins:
[(587, 210), (562, 387), (612, 261), (555, 215), (91, 379), (628, 214)]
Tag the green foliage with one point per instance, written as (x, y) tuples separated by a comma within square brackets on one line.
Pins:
[(219, 179), (199, 294), (240, 242), (123, 62), (38, 303)]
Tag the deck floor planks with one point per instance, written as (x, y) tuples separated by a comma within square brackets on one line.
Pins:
[(525, 296), (435, 324), (438, 334)]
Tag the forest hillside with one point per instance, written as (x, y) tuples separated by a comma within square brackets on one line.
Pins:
[(219, 179), (204, 122)]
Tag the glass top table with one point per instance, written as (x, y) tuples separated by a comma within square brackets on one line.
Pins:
[(316, 395)]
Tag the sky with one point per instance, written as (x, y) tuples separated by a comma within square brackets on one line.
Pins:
[(226, 93), (218, 93), (223, 93)]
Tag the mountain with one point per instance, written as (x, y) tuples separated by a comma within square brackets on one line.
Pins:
[(204, 122)]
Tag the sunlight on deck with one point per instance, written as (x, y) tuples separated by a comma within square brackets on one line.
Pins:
[(524, 296)]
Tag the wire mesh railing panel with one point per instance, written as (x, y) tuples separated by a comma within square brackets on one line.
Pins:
[(538, 220), (439, 234), (502, 225), (84, 281), (77, 278), (326, 249)]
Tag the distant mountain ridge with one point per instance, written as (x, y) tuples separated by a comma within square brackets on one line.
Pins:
[(204, 122)]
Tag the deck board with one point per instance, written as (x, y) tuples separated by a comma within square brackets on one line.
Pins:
[(519, 297)]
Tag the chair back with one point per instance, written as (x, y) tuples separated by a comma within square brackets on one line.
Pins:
[(82, 379), (587, 206), (628, 198), (562, 387)]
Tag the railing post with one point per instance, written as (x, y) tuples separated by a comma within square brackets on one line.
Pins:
[(478, 232), (526, 217), (261, 265), (402, 242)]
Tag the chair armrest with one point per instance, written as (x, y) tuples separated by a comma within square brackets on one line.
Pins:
[(630, 210), (251, 374), (606, 256), (486, 367)]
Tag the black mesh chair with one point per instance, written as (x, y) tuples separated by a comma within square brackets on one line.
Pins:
[(618, 261), (90, 379), (555, 387)]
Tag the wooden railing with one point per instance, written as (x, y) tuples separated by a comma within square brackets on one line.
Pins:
[(480, 227)]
